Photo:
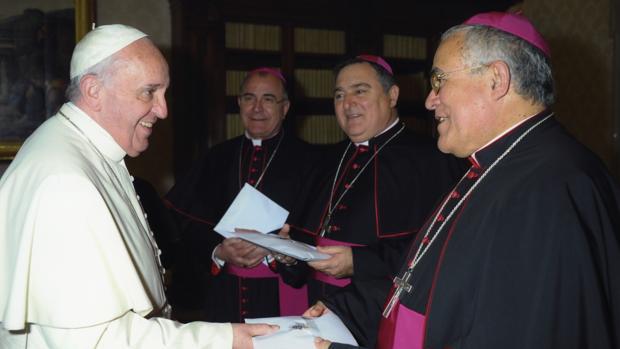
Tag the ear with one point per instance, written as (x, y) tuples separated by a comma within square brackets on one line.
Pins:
[(286, 105), (91, 89), (500, 79), (393, 93)]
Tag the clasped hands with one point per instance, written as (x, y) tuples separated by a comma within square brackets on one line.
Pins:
[(245, 254)]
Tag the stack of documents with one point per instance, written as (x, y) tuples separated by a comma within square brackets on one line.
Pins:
[(298, 332), (252, 210)]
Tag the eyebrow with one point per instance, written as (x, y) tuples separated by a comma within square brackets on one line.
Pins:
[(252, 94), (152, 86), (352, 87), (436, 70)]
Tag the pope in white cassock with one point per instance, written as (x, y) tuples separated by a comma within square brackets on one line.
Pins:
[(79, 267)]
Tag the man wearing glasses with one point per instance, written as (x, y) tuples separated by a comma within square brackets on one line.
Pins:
[(524, 252), (240, 277)]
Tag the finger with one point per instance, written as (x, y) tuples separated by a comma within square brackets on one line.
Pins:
[(251, 263), (230, 241), (284, 232), (310, 312), (318, 265), (321, 343), (331, 249)]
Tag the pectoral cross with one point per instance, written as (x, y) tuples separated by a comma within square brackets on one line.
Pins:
[(402, 284)]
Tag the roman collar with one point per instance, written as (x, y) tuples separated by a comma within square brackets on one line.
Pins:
[(484, 156)]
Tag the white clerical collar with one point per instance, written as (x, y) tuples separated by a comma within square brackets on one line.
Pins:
[(100, 138), (255, 141), (366, 142), (501, 135)]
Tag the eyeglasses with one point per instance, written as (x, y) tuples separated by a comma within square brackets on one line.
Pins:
[(437, 79), (267, 101)]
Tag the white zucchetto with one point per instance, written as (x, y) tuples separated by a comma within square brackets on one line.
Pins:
[(101, 43)]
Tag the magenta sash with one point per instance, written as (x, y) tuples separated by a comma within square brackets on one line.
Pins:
[(317, 275), (403, 329), (293, 301)]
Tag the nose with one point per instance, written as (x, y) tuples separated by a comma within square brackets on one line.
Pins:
[(258, 105), (160, 108), (348, 100), (431, 100)]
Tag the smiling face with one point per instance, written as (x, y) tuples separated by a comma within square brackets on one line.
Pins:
[(133, 97), (464, 105), (363, 108), (262, 105)]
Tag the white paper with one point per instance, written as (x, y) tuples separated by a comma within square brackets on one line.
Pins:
[(298, 332), (295, 249), (251, 210)]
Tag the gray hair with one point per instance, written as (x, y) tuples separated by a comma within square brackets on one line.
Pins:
[(104, 70), (529, 68)]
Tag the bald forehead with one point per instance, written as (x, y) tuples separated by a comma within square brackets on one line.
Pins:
[(450, 52), (265, 79)]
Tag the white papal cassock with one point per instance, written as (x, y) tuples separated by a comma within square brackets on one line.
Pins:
[(78, 264)]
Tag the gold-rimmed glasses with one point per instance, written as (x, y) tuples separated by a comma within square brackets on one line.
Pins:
[(267, 101), (438, 78)]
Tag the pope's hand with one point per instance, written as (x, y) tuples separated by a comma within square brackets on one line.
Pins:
[(339, 265), (243, 333), (316, 310), (240, 252), (320, 343)]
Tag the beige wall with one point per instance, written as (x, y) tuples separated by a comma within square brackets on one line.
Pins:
[(153, 18), (581, 37)]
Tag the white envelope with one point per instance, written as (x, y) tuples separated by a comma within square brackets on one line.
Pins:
[(251, 210), (298, 332), (295, 249)]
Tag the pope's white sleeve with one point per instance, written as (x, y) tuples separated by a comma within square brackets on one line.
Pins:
[(132, 331)]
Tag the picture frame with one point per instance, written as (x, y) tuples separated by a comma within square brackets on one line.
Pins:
[(35, 51)]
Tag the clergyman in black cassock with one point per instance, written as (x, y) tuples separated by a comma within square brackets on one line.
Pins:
[(237, 289), (524, 252), (373, 193)]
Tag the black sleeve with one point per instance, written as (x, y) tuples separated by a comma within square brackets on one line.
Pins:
[(359, 307), (378, 260)]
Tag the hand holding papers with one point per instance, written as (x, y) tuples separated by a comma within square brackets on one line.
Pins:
[(276, 243), (252, 210), (298, 332)]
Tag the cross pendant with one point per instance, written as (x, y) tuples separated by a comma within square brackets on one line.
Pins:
[(402, 284)]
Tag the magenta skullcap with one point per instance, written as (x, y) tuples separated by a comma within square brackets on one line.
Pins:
[(271, 71), (377, 60), (512, 23)]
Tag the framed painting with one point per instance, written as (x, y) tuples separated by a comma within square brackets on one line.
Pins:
[(36, 41)]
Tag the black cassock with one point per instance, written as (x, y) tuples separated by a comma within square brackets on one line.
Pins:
[(382, 210), (202, 198), (531, 259)]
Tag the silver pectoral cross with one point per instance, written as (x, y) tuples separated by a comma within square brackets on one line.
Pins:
[(402, 284)]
